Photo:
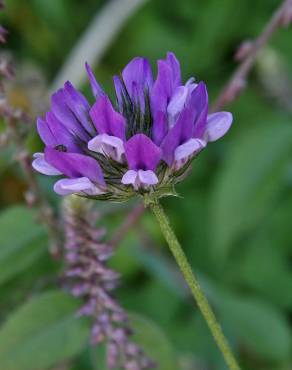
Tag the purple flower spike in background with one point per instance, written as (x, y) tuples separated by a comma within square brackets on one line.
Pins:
[(88, 276), (142, 144)]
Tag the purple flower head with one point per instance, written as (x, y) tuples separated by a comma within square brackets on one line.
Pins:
[(141, 144)]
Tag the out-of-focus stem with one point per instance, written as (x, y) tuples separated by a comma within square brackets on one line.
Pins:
[(131, 219), (193, 284), (237, 82), (95, 40), (13, 117)]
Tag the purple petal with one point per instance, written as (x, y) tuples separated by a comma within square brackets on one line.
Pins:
[(199, 102), (119, 91), (79, 185), (142, 153), (79, 106), (160, 127), (178, 134), (110, 146), (175, 68), (189, 148), (107, 120), (95, 87), (168, 79), (62, 135), (42, 166), (180, 99), (177, 104), (53, 133), (137, 76), (45, 132), (190, 123), (217, 125), (75, 165), (162, 89), (65, 116)]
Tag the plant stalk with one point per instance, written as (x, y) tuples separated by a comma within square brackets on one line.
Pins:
[(193, 284)]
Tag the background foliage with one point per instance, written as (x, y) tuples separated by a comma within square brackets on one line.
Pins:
[(234, 220)]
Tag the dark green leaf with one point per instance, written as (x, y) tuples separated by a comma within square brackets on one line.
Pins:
[(22, 241)]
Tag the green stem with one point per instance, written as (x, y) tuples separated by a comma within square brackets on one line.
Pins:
[(191, 280)]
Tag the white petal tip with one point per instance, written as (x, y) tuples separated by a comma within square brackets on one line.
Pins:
[(42, 166), (140, 178), (188, 149), (217, 125), (74, 186)]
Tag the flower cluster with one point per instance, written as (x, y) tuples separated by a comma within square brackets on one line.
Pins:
[(142, 144), (88, 276)]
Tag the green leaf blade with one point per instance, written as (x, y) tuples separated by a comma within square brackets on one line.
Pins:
[(42, 333)]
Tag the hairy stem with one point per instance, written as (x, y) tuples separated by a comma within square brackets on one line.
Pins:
[(193, 284)]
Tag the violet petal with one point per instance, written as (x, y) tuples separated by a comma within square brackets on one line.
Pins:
[(119, 91), (137, 76), (199, 102), (217, 125), (79, 105), (41, 165), (175, 68), (107, 120), (189, 148), (111, 146), (60, 134), (95, 87), (176, 104), (78, 185), (65, 116), (162, 89), (177, 135), (142, 153), (75, 165), (159, 129), (168, 79), (45, 133)]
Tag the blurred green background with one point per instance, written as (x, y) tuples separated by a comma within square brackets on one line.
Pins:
[(234, 217)]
